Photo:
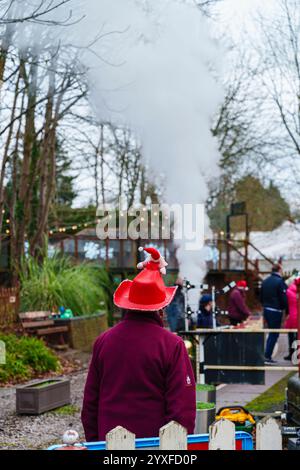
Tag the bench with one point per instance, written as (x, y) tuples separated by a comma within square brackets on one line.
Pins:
[(41, 324)]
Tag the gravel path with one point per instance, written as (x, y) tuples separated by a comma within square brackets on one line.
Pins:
[(39, 432)]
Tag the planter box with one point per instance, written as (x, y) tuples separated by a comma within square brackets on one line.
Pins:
[(41, 396), (84, 330), (204, 418)]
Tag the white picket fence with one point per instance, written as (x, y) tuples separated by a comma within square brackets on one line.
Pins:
[(173, 436)]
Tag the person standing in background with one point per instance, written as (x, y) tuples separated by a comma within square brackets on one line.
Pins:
[(237, 308), (274, 301), (204, 316), (175, 311), (292, 318)]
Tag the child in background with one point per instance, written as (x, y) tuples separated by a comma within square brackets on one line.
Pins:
[(205, 317)]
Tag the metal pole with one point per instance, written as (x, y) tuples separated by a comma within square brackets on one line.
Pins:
[(246, 242), (227, 242), (213, 295), (186, 319)]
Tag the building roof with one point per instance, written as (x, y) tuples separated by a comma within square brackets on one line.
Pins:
[(284, 242)]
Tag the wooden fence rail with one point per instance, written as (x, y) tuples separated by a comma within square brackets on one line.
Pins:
[(9, 305), (172, 436)]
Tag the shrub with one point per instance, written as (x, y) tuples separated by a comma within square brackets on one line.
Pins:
[(56, 281), (26, 357), (205, 388)]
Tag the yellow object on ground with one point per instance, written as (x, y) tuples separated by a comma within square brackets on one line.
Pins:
[(236, 414)]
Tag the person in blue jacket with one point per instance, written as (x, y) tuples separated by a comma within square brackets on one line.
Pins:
[(205, 317), (175, 311), (274, 301)]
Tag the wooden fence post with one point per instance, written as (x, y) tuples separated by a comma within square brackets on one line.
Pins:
[(173, 436), (120, 439), (268, 435), (222, 435)]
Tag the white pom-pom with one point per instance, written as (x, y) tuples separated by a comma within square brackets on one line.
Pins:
[(70, 437), (141, 248)]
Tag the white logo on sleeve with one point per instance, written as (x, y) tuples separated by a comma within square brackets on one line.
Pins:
[(188, 380)]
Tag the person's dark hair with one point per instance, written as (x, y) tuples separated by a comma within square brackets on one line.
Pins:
[(276, 268), (138, 312), (205, 300)]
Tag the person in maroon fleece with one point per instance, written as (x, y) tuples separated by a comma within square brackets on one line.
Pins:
[(140, 376), (237, 308)]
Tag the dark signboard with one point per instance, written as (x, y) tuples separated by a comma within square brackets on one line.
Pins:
[(238, 208)]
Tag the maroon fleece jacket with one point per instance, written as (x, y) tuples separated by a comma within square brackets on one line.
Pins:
[(140, 377), (237, 307)]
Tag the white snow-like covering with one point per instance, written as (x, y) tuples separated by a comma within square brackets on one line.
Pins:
[(284, 242)]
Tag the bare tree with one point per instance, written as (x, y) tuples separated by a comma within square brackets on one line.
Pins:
[(242, 142), (43, 91), (206, 6), (33, 13)]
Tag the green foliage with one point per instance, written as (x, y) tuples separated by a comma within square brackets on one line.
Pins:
[(272, 399), (266, 207), (64, 215), (65, 193), (56, 281), (26, 357), (205, 388)]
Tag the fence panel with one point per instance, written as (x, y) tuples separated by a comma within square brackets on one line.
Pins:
[(268, 435), (120, 439), (173, 436), (222, 435)]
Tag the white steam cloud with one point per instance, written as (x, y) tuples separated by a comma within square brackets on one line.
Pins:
[(150, 70)]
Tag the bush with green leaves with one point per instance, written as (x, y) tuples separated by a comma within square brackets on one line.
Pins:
[(51, 282), (25, 358), (205, 388)]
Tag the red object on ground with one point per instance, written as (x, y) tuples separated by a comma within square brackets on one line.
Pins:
[(204, 445)]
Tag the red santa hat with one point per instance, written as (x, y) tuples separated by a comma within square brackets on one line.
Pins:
[(153, 252), (147, 291)]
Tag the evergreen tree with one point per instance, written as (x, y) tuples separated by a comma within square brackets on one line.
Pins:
[(65, 193), (266, 207)]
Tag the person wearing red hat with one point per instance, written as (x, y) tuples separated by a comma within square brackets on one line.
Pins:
[(140, 376), (237, 308)]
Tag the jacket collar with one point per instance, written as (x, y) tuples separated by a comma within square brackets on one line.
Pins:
[(146, 317)]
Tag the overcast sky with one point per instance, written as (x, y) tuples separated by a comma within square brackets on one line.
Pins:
[(239, 14), (236, 18)]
